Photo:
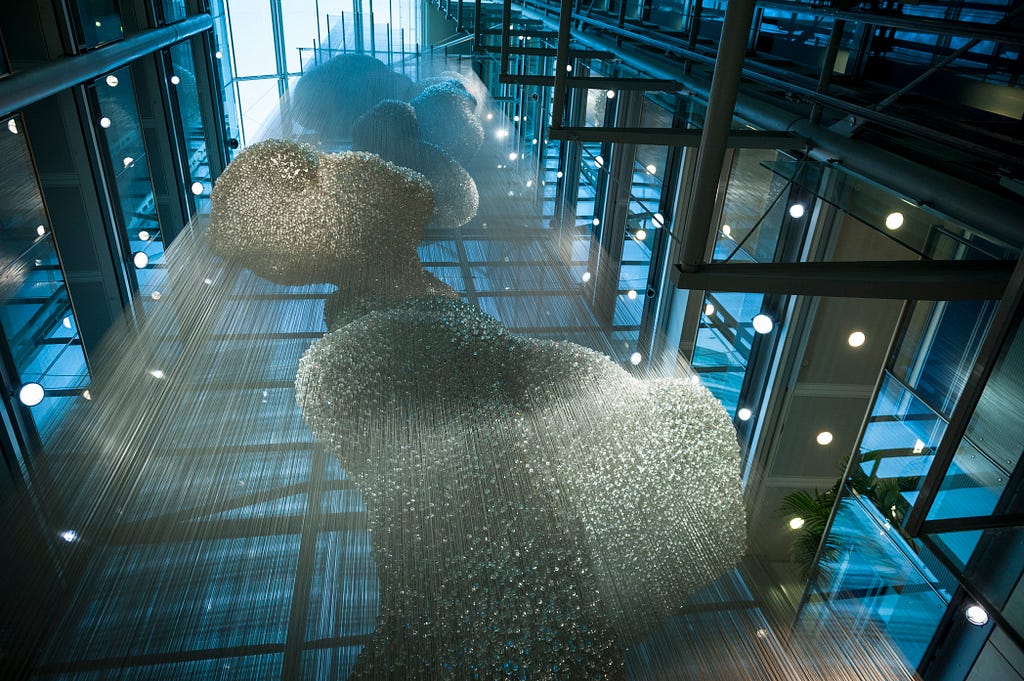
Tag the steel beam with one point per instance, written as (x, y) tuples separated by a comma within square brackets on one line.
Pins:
[(725, 82), (675, 137), (23, 88), (551, 52), (597, 82), (883, 280), (561, 66)]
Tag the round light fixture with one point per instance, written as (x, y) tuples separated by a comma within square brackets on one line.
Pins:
[(659, 219), (559, 174), (12, 125), (727, 230), (157, 373), (31, 394), (490, 116), (611, 94), (596, 221), (69, 536), (744, 414), (529, 183), (976, 615), (66, 322), (796, 523), (516, 118), (797, 210), (501, 133), (513, 156), (197, 188), (218, 54), (112, 80), (631, 294), (641, 235), (635, 358), (127, 161), (709, 309), (144, 235), (175, 80), (894, 220), (104, 122), (568, 67), (599, 161), (86, 394), (652, 169), (155, 295), (856, 339), (41, 230), (140, 260), (763, 323), (585, 278), (533, 141), (824, 438)]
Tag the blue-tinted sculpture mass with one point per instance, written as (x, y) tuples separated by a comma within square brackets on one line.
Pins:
[(534, 508)]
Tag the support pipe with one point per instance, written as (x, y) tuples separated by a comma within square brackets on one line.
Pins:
[(27, 87)]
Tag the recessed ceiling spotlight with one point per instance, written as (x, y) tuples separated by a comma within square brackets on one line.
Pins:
[(763, 323), (856, 339), (611, 94), (586, 277), (513, 156), (797, 210), (197, 188), (41, 230), (104, 122), (157, 373), (127, 161), (659, 219), (641, 235), (559, 174), (709, 310), (568, 67), (596, 221), (144, 235), (631, 294), (894, 220), (824, 438), (976, 615), (744, 414), (175, 80), (12, 125), (727, 230), (636, 358), (112, 80), (599, 161), (69, 536), (31, 394), (218, 54), (652, 169), (140, 260)]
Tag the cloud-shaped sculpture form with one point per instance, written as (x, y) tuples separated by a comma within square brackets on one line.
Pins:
[(332, 96), (447, 116), (391, 131), (297, 216), (485, 499)]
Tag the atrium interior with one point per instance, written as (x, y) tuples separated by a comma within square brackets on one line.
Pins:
[(533, 339)]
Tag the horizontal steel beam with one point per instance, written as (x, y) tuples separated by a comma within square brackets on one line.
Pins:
[(598, 83), (550, 52), (885, 280), (526, 32), (674, 137), (23, 88)]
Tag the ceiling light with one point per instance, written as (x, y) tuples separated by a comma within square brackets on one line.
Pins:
[(856, 339), (86, 394), (104, 122), (597, 221), (66, 322), (513, 156), (631, 294), (127, 161), (529, 183), (744, 414), (709, 309), (797, 210), (652, 169), (156, 373), (501, 133), (98, 24), (209, 282), (894, 220), (727, 230), (641, 235), (197, 188), (599, 161), (659, 219), (976, 615), (824, 438), (12, 125), (611, 94), (31, 394), (636, 358), (516, 118), (559, 174), (144, 235), (112, 80), (41, 230), (568, 67), (534, 141), (796, 523), (140, 259), (218, 54), (586, 277), (155, 295), (489, 116), (763, 323), (918, 446), (69, 536), (175, 80)]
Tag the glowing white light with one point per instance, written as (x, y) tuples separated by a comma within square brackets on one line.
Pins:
[(611, 94), (918, 447), (894, 220), (856, 339), (652, 169), (599, 161), (568, 67), (69, 535), (640, 235), (516, 118), (727, 230), (529, 183), (31, 394), (155, 295), (112, 80), (763, 323), (501, 133), (596, 221), (12, 125), (976, 615), (631, 294), (175, 80), (586, 277), (218, 54), (659, 219), (559, 174), (208, 281), (796, 523), (140, 259), (144, 235), (197, 188), (824, 438), (66, 322), (534, 141), (156, 373), (41, 230), (104, 122), (127, 161), (797, 210), (87, 395), (636, 358), (709, 309), (744, 414), (513, 156), (490, 117), (98, 24)]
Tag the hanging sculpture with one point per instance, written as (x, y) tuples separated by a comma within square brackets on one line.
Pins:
[(534, 508)]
